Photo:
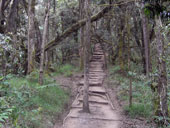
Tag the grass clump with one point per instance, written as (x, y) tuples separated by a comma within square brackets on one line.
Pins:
[(66, 70), (139, 110), (51, 99)]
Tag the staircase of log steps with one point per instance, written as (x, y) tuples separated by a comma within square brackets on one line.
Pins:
[(102, 112)]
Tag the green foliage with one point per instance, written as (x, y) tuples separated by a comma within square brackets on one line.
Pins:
[(5, 110), (114, 69), (50, 98), (26, 104), (66, 70), (147, 11), (143, 101), (160, 119), (139, 109), (34, 76), (142, 93), (153, 8)]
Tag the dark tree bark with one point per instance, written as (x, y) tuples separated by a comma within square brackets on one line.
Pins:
[(12, 17), (3, 5), (146, 40)]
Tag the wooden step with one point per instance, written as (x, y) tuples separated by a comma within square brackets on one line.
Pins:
[(94, 99), (97, 53), (99, 90), (91, 83)]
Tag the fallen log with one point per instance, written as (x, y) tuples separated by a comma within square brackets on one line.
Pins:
[(81, 23), (74, 28)]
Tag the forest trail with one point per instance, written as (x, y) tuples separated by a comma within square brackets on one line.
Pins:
[(102, 113)]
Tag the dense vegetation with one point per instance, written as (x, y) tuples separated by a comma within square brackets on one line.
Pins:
[(43, 39)]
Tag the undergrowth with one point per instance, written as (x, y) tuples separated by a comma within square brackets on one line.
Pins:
[(26, 104), (66, 70), (142, 94)]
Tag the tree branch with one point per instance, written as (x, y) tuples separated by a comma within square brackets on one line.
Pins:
[(74, 28)]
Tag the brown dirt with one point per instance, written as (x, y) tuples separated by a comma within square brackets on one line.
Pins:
[(69, 84), (105, 108), (102, 113)]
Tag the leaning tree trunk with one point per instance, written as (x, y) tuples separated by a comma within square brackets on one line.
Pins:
[(31, 36), (162, 110), (42, 61), (77, 26), (86, 57)]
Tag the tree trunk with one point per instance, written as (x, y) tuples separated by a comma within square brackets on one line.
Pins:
[(139, 43), (86, 57), (121, 44), (42, 61), (2, 4), (31, 36), (81, 7), (12, 17), (53, 29), (146, 40), (47, 53), (121, 50), (38, 40), (2, 16), (162, 110), (129, 55)]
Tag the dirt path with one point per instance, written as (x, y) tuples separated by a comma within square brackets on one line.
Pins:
[(103, 114)]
